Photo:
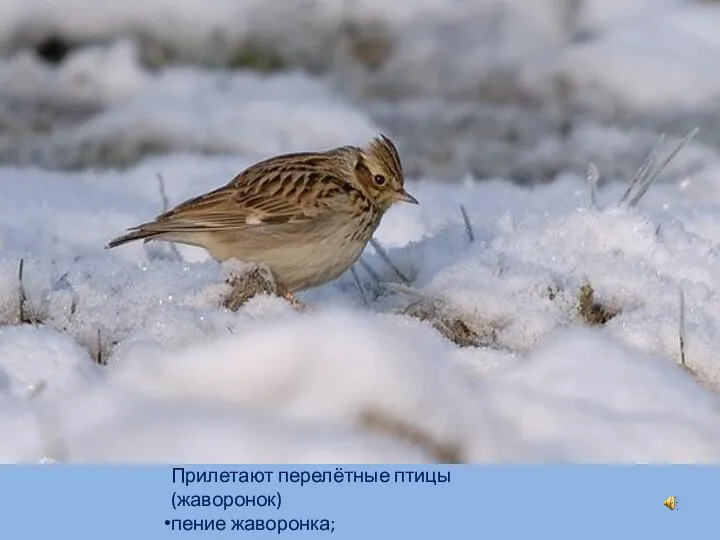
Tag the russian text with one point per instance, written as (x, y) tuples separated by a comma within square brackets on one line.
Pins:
[(226, 501)]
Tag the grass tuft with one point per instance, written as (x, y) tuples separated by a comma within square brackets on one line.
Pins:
[(651, 169), (591, 312)]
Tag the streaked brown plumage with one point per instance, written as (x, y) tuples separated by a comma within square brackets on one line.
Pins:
[(306, 216)]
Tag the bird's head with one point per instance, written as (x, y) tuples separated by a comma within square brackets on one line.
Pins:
[(378, 171)]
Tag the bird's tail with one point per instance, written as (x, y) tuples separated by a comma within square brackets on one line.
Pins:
[(137, 234)]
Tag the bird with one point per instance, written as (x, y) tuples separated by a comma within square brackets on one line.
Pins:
[(306, 217)]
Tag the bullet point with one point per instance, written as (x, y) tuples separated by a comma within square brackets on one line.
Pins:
[(167, 522)]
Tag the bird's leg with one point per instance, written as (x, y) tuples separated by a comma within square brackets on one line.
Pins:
[(291, 298)]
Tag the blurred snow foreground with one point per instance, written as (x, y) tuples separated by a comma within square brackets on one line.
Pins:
[(544, 329)]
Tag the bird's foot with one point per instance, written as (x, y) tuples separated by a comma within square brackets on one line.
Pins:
[(292, 299)]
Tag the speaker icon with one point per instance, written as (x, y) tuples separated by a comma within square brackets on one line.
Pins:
[(671, 502)]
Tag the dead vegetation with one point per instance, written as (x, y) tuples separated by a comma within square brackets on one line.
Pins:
[(24, 315), (466, 330), (651, 169), (461, 329), (380, 250), (444, 452), (370, 43), (246, 285), (694, 373), (591, 312), (471, 330), (34, 315)]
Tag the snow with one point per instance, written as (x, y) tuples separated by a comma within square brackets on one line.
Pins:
[(679, 60), (486, 355), (58, 361), (348, 382), (178, 108), (446, 47), (605, 403)]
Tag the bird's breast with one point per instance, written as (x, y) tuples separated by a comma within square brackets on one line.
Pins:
[(316, 259)]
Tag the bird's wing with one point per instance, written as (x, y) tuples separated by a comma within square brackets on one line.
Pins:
[(253, 198)]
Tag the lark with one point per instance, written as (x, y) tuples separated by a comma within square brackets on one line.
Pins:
[(307, 217)]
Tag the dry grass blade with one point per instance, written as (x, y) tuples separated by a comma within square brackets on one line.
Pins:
[(468, 225), (406, 290), (592, 179), (387, 260), (661, 167), (25, 316), (650, 170), (682, 342), (369, 269), (446, 452), (99, 356), (642, 172), (165, 207), (163, 193), (681, 329), (21, 293), (364, 295)]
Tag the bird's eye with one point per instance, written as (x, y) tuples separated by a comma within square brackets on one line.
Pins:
[(379, 179)]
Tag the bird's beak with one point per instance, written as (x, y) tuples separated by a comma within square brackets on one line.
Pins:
[(404, 196)]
